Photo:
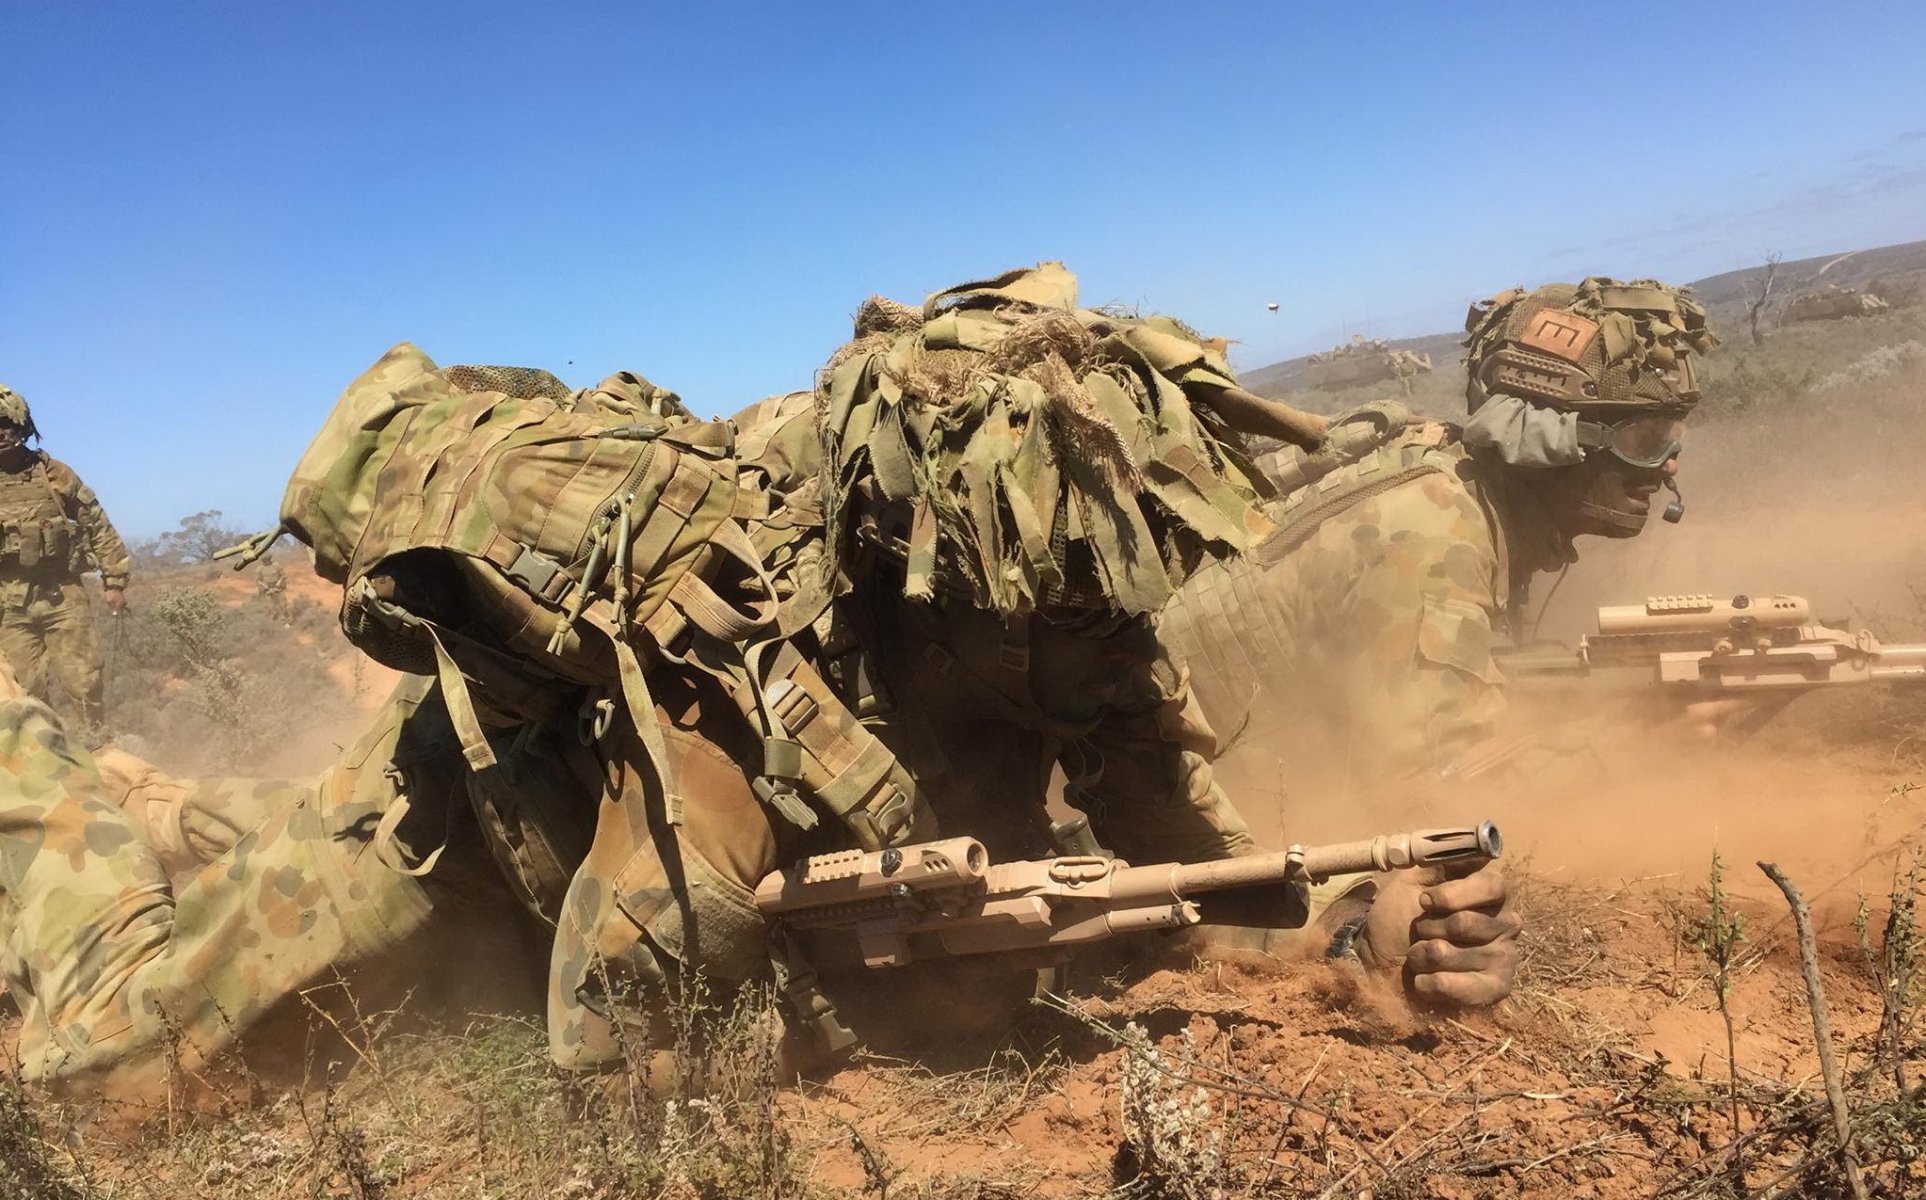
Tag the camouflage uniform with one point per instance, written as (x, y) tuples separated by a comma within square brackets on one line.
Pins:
[(1379, 601), (52, 531), (150, 923)]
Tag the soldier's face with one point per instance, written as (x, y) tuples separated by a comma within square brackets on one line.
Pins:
[(12, 436), (1612, 498)]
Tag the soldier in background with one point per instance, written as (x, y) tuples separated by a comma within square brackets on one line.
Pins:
[(52, 532), (1405, 549), (271, 581)]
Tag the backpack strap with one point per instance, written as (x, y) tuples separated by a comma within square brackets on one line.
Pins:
[(1420, 451), (823, 747)]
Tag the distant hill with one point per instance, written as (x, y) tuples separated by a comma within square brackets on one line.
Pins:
[(1288, 376), (1899, 269)]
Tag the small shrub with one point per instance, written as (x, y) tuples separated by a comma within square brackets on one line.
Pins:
[(1172, 1148), (1878, 364), (29, 1167)]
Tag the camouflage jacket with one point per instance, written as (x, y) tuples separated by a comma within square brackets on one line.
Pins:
[(1362, 633), (52, 527)]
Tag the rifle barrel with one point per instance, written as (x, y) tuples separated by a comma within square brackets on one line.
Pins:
[(1177, 881), (1899, 664)]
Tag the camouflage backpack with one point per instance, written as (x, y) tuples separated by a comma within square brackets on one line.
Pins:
[(1013, 448), (493, 510)]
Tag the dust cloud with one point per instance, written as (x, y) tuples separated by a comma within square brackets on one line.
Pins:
[(1822, 500)]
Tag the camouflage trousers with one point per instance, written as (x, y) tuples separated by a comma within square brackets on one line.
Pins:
[(148, 925), (47, 634)]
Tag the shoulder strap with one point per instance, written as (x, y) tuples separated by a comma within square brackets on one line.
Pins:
[(1300, 514)]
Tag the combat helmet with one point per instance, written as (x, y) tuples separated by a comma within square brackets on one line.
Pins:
[(14, 412), (1601, 347), (1558, 374), (1002, 444)]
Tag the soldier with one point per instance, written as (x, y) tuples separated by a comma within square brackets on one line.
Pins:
[(52, 532), (927, 678), (271, 582), (1405, 550)]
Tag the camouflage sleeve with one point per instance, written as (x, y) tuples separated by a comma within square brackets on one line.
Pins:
[(126, 974), (1395, 604), (1144, 777), (104, 545)]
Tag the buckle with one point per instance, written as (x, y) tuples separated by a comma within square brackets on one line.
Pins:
[(890, 817), (537, 573)]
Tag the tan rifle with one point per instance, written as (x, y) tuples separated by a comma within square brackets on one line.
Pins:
[(1768, 643), (946, 899)]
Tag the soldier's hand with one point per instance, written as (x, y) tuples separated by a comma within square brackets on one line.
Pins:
[(114, 599), (1453, 941)]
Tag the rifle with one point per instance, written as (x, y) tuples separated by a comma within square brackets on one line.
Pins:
[(1747, 643), (946, 899)]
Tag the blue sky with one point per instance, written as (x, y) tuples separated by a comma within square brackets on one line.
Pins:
[(215, 214)]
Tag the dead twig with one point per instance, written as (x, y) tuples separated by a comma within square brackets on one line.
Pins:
[(1821, 1029)]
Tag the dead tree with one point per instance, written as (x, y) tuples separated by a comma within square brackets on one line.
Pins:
[(1757, 298)]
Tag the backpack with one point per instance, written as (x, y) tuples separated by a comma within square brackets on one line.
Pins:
[(488, 524), (493, 511)]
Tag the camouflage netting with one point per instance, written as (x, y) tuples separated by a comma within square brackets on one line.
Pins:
[(1031, 454), (1632, 347), (523, 383)]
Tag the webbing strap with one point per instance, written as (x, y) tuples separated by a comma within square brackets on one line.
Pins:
[(1297, 527), (461, 707), (387, 846), (717, 437), (854, 783), (694, 603), (641, 705)]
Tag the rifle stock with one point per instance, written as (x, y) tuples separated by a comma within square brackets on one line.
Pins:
[(945, 899), (1770, 643)]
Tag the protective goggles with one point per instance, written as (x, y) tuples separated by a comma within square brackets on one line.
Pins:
[(1646, 441)]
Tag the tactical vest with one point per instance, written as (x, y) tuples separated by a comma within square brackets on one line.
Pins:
[(37, 537)]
